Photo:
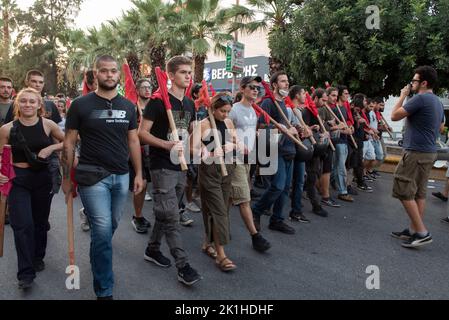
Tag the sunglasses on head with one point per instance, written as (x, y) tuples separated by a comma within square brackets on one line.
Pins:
[(226, 99)]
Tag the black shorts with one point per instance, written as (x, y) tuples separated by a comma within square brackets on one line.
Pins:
[(132, 173), (327, 161)]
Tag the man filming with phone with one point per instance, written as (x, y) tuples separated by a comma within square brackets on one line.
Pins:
[(424, 120)]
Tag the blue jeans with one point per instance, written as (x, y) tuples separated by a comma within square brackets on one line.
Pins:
[(298, 185), (277, 193), (339, 172), (104, 203)]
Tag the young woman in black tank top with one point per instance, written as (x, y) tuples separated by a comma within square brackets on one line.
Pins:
[(30, 197), (215, 189)]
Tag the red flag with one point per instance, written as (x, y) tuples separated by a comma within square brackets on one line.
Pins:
[(378, 116), (268, 93), (7, 170), (260, 112), (289, 102), (310, 105), (212, 90), (350, 120), (86, 89), (68, 102), (189, 89), (365, 117), (162, 92), (130, 87), (203, 97)]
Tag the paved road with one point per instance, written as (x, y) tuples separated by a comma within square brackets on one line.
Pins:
[(326, 259)]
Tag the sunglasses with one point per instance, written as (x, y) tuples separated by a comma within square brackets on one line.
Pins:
[(254, 87), (414, 80), (226, 99)]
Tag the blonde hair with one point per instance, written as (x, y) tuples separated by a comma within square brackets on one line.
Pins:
[(40, 111)]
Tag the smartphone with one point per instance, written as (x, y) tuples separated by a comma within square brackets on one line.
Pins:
[(410, 90)]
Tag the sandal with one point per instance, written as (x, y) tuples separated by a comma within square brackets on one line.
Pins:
[(226, 264), (210, 251)]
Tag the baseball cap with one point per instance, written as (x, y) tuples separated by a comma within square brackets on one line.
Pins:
[(246, 80)]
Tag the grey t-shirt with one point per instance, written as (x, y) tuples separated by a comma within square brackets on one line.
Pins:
[(245, 122), (4, 107), (423, 123)]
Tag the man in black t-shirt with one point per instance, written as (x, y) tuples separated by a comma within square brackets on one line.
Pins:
[(107, 126), (168, 179)]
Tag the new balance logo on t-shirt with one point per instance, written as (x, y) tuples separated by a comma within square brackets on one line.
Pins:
[(108, 114)]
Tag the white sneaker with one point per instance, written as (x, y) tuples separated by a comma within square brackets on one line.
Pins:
[(85, 226), (192, 207), (148, 197)]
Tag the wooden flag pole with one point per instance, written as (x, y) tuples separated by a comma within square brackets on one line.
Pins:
[(303, 124), (323, 129), (70, 231), (344, 122)]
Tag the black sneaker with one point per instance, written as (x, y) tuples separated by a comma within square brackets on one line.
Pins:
[(260, 243), (365, 188), (402, 235), (140, 224), (299, 217), (445, 220), (39, 265), (282, 227), (188, 275), (25, 284), (185, 219), (157, 258), (440, 196), (417, 241), (256, 219), (319, 211), (105, 298), (375, 173), (330, 203), (352, 191), (368, 178)]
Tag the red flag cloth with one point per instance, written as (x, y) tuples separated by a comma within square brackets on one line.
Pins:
[(75, 184), (68, 102), (378, 116), (260, 112), (130, 87), (86, 89), (365, 117), (189, 89), (268, 93), (212, 90), (7, 170), (350, 120), (156, 95), (162, 79), (203, 97), (289, 102), (310, 105)]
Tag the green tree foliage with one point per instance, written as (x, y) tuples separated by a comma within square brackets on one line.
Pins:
[(329, 41)]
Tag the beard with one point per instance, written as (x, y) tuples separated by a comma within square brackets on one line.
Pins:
[(143, 97), (107, 87)]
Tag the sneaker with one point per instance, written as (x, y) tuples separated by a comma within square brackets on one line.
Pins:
[(282, 227), (188, 275), (365, 188), (260, 243), (184, 219), (141, 225), (148, 197), (352, 191), (256, 220), (345, 197), (402, 235), (192, 207), (330, 203), (157, 258), (368, 179), (39, 265), (85, 225), (440, 196), (25, 284), (417, 241), (320, 211), (445, 220), (299, 217), (375, 173)]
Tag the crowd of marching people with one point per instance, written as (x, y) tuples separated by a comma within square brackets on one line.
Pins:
[(202, 151)]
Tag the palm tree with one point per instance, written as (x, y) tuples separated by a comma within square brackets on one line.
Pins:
[(273, 16), (8, 22), (203, 24)]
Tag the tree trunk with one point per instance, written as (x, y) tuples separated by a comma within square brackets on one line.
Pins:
[(134, 65), (6, 35), (199, 61), (157, 59)]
